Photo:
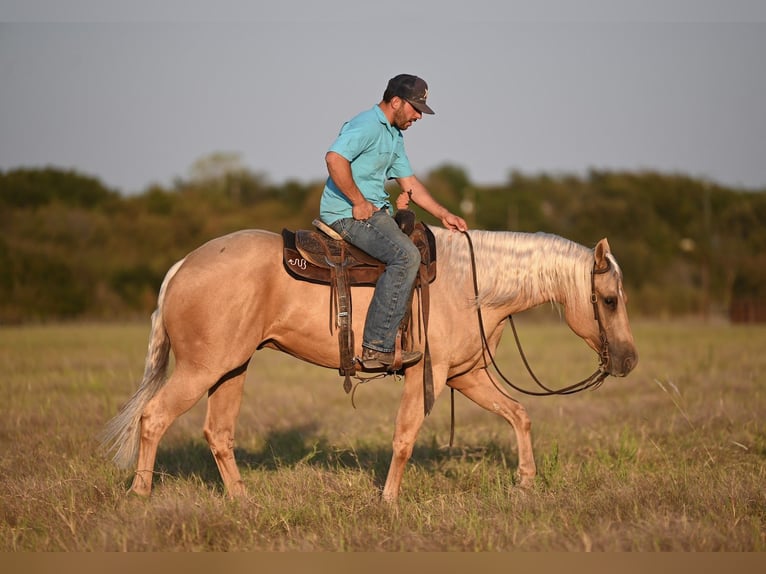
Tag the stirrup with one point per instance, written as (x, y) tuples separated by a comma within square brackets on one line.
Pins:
[(380, 361)]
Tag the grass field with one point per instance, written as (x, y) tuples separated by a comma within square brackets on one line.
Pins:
[(671, 458)]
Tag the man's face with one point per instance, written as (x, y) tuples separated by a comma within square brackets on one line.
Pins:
[(405, 115)]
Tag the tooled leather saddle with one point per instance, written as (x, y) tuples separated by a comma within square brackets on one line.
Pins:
[(322, 256)]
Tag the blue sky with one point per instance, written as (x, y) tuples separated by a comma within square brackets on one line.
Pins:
[(134, 93)]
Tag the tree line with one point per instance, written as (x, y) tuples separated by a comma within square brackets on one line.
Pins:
[(72, 248)]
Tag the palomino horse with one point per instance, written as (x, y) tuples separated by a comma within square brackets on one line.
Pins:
[(232, 296)]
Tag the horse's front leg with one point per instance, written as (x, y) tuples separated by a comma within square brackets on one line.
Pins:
[(409, 419), (483, 390)]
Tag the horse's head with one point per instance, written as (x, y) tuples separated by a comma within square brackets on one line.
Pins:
[(603, 320)]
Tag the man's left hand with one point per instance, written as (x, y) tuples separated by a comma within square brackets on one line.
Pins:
[(454, 222)]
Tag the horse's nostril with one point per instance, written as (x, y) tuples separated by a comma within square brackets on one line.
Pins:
[(629, 363)]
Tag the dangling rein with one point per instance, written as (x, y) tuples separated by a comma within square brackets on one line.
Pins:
[(591, 382)]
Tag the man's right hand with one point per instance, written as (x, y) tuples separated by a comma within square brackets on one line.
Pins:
[(363, 211)]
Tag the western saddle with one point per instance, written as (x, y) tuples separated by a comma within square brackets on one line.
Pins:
[(322, 256)]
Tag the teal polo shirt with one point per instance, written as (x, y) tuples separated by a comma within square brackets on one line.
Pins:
[(375, 150)]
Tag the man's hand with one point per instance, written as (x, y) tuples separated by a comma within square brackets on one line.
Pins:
[(363, 211), (413, 189), (454, 222), (403, 201)]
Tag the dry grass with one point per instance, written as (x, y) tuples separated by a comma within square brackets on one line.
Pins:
[(671, 458)]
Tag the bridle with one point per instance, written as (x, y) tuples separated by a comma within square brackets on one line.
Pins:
[(591, 382)]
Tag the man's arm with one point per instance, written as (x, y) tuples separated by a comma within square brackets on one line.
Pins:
[(339, 169), (417, 192)]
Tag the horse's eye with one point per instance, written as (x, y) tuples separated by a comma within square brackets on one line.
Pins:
[(611, 302)]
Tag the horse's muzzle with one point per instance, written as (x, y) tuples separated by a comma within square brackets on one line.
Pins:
[(621, 368)]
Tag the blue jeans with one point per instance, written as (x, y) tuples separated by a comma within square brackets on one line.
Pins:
[(381, 237)]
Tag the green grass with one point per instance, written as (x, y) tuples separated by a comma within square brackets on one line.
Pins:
[(671, 458)]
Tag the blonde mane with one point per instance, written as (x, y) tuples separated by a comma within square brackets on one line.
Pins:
[(514, 267)]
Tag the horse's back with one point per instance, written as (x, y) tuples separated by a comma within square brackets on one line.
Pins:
[(238, 245)]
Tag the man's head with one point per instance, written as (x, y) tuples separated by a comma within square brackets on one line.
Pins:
[(411, 89)]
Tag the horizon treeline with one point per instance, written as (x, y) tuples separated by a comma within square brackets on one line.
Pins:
[(71, 248)]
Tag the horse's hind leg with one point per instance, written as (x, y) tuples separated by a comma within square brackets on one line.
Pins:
[(222, 409), (182, 391), (480, 388)]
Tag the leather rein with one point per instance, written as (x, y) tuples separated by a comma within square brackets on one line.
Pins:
[(593, 381)]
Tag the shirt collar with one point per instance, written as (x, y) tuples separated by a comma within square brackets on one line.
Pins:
[(384, 120)]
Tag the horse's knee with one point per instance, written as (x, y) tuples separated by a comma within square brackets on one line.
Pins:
[(220, 443), (524, 422), (402, 449), (517, 415)]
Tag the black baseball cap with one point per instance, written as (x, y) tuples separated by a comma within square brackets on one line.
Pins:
[(412, 89)]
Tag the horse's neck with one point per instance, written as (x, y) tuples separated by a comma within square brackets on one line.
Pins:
[(516, 271)]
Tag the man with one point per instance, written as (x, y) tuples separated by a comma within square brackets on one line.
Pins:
[(369, 151)]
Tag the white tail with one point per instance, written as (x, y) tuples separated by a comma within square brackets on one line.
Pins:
[(121, 435)]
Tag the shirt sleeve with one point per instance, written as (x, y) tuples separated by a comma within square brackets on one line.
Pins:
[(353, 139)]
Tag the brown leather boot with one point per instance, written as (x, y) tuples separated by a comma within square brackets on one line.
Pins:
[(373, 360)]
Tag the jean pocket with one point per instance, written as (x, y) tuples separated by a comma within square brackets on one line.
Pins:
[(343, 226)]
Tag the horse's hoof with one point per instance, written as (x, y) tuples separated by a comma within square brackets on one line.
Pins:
[(527, 482), (237, 491), (137, 494)]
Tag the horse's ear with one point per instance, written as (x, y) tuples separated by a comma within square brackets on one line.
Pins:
[(602, 248)]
